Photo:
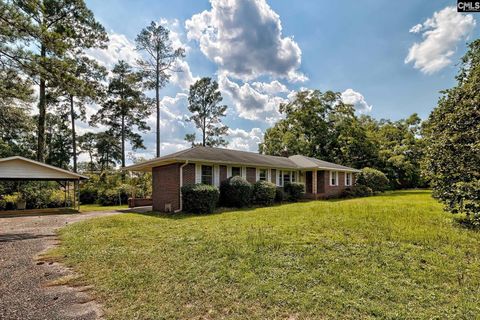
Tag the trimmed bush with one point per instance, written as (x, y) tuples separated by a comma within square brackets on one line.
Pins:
[(374, 179), (280, 195), (357, 191), (3, 204), (264, 193), (200, 198), (236, 192), (294, 191), (88, 194)]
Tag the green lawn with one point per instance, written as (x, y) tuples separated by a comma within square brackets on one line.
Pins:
[(97, 207), (393, 256)]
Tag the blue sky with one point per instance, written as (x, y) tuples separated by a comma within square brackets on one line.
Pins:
[(262, 51)]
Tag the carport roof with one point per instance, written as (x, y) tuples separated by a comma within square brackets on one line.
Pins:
[(20, 168)]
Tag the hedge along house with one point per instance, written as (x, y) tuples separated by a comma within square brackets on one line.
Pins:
[(213, 165)]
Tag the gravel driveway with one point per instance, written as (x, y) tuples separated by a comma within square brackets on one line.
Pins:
[(25, 292)]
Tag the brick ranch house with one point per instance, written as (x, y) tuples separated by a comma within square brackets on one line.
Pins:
[(213, 165)]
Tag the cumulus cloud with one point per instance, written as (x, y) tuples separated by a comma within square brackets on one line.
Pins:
[(240, 139), (250, 103), (356, 99), (270, 87), (441, 34), (119, 48), (244, 38)]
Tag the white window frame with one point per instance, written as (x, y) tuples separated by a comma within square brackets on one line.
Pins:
[(260, 174), (213, 173), (348, 174), (336, 178)]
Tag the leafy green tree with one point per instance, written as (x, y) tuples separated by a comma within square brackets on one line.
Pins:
[(58, 140), (82, 85), (109, 150), (350, 145), (399, 149), (126, 109), (155, 42), (42, 33), (88, 144), (204, 104), (16, 132), (306, 128), (452, 141)]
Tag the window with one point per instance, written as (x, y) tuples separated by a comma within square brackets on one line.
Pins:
[(294, 176), (280, 178), (286, 177), (333, 178), (348, 179), (263, 175), (207, 174), (236, 171)]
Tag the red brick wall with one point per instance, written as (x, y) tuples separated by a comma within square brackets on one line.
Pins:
[(166, 186), (223, 173), (251, 175), (189, 174), (333, 191), (273, 178)]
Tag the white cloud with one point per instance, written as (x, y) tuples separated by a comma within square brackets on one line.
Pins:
[(244, 38), (240, 139), (270, 88), (416, 28), (441, 34), (119, 48), (250, 103), (356, 99)]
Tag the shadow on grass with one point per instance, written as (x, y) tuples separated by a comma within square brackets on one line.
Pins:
[(467, 223), (219, 211)]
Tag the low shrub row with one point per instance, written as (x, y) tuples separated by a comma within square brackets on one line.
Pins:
[(33, 198), (238, 193)]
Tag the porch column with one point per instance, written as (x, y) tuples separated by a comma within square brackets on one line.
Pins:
[(314, 181)]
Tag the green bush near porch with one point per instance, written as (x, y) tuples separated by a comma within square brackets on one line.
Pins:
[(236, 192), (200, 198), (264, 193)]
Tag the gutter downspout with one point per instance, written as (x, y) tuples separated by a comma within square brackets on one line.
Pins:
[(181, 185)]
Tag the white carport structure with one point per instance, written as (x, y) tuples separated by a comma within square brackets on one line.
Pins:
[(22, 169)]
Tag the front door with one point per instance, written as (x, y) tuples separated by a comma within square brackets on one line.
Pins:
[(308, 182)]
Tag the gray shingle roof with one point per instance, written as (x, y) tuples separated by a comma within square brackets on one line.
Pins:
[(229, 156)]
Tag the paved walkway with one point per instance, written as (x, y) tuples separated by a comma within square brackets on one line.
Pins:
[(25, 292)]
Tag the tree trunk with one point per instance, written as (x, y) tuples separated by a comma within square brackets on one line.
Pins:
[(74, 136), (42, 110), (123, 141), (203, 131), (157, 97)]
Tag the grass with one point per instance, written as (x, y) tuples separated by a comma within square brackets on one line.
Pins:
[(392, 256), (97, 207)]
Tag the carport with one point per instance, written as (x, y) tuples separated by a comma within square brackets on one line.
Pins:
[(22, 169)]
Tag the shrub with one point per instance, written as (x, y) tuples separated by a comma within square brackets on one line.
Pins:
[(357, 191), (200, 198), (88, 194), (280, 195), (236, 192), (3, 204), (294, 191), (264, 192), (374, 179), (10, 201), (56, 199)]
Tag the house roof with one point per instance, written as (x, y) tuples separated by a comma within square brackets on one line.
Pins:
[(229, 156), (20, 168), (307, 162)]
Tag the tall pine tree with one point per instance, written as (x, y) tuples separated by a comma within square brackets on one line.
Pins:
[(204, 104), (125, 109), (159, 62)]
